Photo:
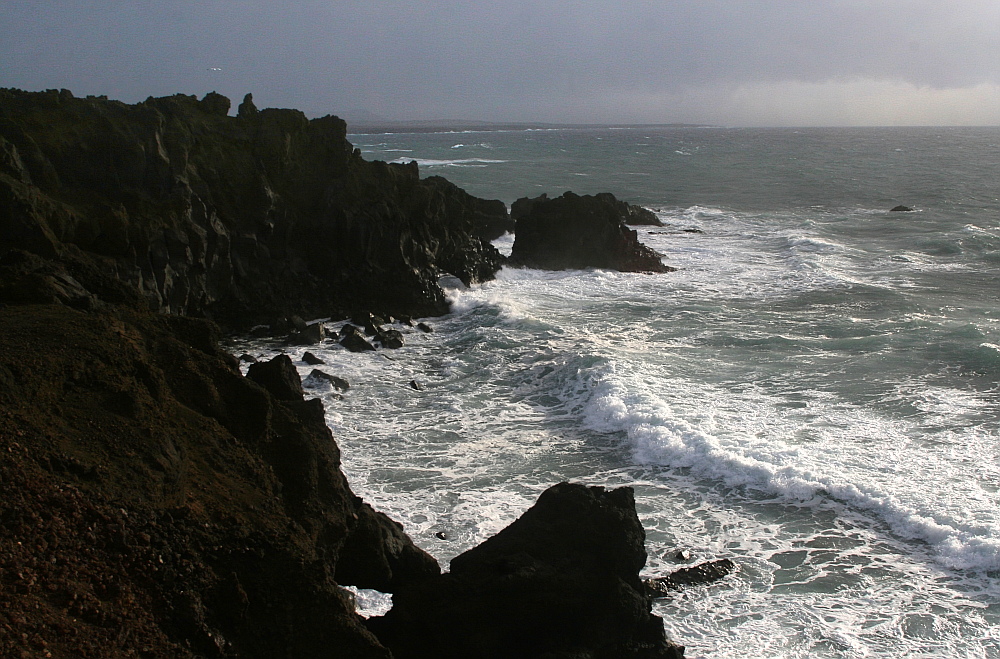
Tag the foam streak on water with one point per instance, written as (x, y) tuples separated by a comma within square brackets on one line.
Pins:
[(814, 393)]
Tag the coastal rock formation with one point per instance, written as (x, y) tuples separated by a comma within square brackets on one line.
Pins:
[(489, 217), (155, 502), (575, 232), (562, 580), (239, 219)]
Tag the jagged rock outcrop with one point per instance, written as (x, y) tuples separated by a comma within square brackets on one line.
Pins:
[(562, 580), (489, 217), (235, 218), (574, 231), (155, 502)]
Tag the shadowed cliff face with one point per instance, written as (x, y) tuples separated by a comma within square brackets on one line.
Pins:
[(155, 502), (235, 218)]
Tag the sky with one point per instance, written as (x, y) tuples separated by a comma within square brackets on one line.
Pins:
[(724, 62)]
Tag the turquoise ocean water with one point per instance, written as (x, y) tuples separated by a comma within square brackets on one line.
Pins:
[(813, 394)]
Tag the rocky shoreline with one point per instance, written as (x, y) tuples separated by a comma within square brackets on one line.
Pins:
[(156, 502)]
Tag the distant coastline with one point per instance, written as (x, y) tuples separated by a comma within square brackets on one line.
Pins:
[(371, 127)]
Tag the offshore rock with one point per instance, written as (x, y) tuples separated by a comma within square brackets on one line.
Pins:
[(702, 573), (575, 232), (562, 580), (317, 375), (238, 219), (155, 502)]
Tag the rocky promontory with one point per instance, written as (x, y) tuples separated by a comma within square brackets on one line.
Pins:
[(239, 219)]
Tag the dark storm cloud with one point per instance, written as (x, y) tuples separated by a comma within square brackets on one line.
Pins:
[(680, 60)]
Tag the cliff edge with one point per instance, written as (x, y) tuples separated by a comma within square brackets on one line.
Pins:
[(239, 219)]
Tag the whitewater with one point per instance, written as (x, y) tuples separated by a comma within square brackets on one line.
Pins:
[(812, 394)]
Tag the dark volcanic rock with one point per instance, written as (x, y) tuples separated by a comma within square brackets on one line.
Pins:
[(335, 382), (690, 576), (310, 335), (489, 217), (311, 359), (390, 338), (354, 342), (575, 231), (235, 218), (562, 580), (154, 502), (631, 213), (278, 376)]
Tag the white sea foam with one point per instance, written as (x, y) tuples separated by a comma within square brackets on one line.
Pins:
[(850, 464), (458, 162)]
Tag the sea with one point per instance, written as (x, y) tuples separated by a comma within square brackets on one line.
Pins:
[(813, 394)]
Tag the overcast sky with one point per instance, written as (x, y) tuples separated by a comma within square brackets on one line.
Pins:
[(730, 62)]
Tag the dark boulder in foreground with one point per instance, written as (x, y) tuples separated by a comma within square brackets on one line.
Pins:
[(575, 232), (562, 580)]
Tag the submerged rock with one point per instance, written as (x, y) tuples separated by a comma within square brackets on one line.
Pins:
[(562, 580), (575, 232)]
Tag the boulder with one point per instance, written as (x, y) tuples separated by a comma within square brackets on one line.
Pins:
[(333, 380), (278, 376), (311, 335), (575, 232), (311, 359), (561, 580), (355, 342), (690, 576), (390, 338)]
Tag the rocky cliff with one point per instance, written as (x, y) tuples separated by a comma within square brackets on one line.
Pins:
[(155, 502), (239, 219)]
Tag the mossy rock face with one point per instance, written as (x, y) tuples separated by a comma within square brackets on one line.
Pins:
[(236, 218)]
